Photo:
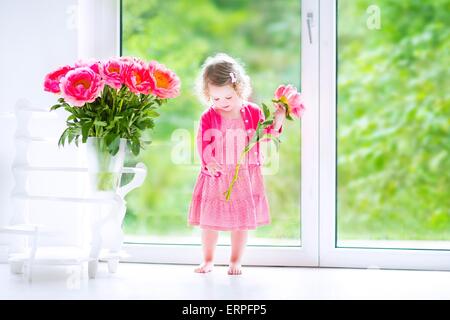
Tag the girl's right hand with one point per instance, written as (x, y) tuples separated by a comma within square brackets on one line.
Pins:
[(214, 168)]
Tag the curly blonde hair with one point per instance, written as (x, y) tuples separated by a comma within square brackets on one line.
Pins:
[(216, 70)]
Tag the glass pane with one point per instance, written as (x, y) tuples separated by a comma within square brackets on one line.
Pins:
[(265, 35), (393, 146)]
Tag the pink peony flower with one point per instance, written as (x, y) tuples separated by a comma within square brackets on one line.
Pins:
[(95, 65), (112, 71), (289, 95), (51, 82), (167, 83), (81, 85), (137, 76)]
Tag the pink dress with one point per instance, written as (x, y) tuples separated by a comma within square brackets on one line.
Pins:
[(247, 207)]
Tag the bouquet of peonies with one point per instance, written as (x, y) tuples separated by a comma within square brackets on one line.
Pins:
[(288, 104), (112, 100)]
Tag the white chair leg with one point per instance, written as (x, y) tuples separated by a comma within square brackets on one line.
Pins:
[(16, 267), (112, 265), (92, 268), (28, 271), (82, 271), (30, 274)]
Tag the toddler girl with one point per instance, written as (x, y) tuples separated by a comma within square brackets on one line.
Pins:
[(226, 126)]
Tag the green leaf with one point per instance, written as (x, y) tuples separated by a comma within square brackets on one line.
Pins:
[(145, 124), (135, 146), (100, 123), (113, 143), (152, 113), (85, 131), (56, 106), (63, 137), (71, 136), (72, 117), (266, 111)]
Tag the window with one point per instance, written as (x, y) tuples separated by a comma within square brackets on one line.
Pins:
[(266, 36), (382, 126), (393, 129)]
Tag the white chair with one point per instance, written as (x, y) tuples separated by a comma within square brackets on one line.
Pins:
[(106, 234), (32, 254)]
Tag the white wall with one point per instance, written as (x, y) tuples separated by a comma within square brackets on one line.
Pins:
[(36, 37)]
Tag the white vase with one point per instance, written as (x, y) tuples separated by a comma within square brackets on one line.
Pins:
[(104, 169)]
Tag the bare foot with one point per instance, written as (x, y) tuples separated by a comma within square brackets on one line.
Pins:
[(205, 267), (234, 269)]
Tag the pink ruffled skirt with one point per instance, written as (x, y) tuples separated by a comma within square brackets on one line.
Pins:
[(246, 209)]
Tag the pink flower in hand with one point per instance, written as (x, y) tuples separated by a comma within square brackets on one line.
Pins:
[(52, 80), (289, 96), (112, 71), (167, 83), (287, 101), (81, 85), (137, 77)]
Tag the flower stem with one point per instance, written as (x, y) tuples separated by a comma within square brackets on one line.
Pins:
[(236, 171)]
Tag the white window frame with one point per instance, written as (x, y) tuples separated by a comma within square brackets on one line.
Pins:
[(330, 254)]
